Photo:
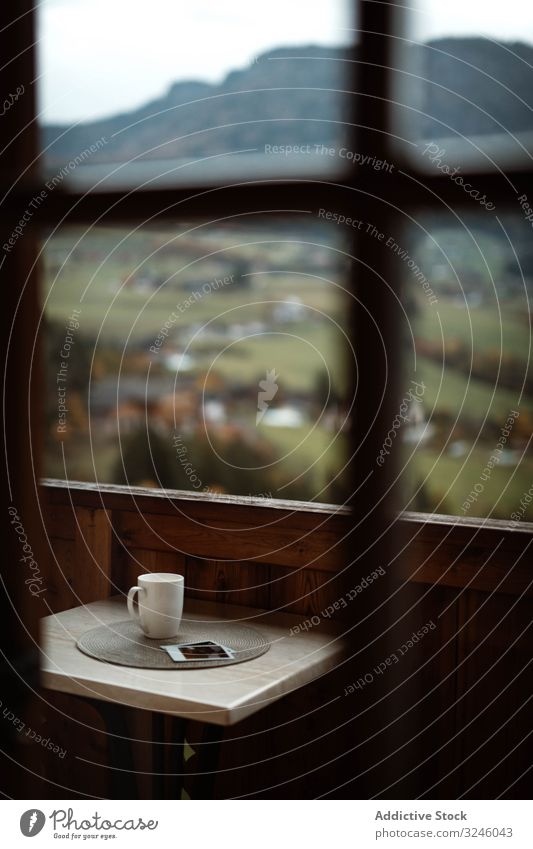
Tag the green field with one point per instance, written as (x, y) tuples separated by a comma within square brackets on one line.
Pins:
[(490, 327), (451, 391), (115, 310), (447, 483)]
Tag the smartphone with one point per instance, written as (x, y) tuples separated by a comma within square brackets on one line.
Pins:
[(206, 650)]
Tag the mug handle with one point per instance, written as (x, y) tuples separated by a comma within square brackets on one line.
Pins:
[(134, 612)]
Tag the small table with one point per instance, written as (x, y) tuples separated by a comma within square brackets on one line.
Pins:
[(218, 696)]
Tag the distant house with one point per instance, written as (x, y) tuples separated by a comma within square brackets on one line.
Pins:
[(417, 429), (290, 309)]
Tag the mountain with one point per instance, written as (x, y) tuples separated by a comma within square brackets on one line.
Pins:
[(474, 86), (298, 96)]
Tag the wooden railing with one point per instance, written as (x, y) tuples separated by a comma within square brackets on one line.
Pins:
[(263, 553), (472, 578)]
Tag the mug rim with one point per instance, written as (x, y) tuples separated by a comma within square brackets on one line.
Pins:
[(163, 577)]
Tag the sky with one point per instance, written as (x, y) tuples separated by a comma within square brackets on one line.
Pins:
[(100, 57)]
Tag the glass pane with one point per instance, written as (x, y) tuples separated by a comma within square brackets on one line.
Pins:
[(466, 84), (467, 432), (147, 95), (212, 358)]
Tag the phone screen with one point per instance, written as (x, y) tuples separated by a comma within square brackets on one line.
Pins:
[(206, 650)]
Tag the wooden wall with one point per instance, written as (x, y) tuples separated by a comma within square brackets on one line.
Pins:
[(465, 729)]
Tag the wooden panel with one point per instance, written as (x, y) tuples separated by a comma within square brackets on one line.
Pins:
[(140, 728), (61, 569), (93, 546), (432, 721), (381, 689), (486, 555), (137, 561), (459, 553), (228, 583), (495, 647), (291, 749), (60, 521), (215, 536), (81, 768), (288, 533), (78, 730)]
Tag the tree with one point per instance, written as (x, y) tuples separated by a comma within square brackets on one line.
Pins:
[(146, 458)]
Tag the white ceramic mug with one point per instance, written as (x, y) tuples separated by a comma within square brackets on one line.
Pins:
[(160, 604)]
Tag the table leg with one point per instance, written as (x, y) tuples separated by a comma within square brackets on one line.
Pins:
[(207, 761), (169, 763), (122, 767), (121, 764), (161, 748), (158, 756), (178, 756)]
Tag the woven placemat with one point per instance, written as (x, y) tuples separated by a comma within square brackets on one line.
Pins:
[(125, 644)]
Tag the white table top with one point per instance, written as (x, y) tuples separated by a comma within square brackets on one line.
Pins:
[(222, 696)]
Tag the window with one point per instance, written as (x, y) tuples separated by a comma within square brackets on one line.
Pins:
[(208, 355), (322, 199), (211, 357), (468, 337)]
